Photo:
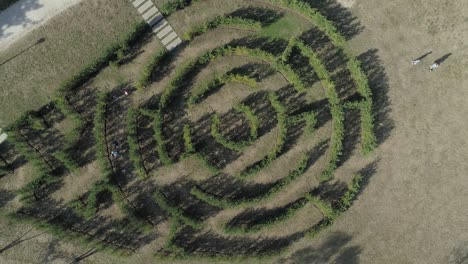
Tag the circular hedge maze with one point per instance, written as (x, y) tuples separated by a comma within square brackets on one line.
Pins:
[(226, 148)]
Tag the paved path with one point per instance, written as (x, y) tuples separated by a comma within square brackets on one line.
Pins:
[(155, 19), (25, 15)]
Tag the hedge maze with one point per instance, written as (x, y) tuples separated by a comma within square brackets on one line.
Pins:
[(239, 141)]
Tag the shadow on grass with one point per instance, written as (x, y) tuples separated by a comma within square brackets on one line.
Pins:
[(335, 249)]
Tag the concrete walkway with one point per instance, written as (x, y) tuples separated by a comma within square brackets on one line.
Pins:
[(155, 19), (25, 15)]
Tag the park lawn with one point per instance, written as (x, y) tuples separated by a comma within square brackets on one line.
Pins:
[(73, 39)]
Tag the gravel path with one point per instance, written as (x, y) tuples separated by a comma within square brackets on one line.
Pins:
[(26, 15)]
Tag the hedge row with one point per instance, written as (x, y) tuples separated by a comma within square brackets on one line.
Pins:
[(310, 119), (207, 164), (368, 139), (103, 156), (42, 167), (280, 139), (225, 203), (174, 211), (133, 146), (216, 134), (288, 214), (160, 142), (253, 119), (203, 90), (67, 233), (188, 142), (149, 68), (109, 54), (99, 132), (330, 214), (180, 75), (170, 6), (335, 107), (223, 21), (170, 251), (287, 51)]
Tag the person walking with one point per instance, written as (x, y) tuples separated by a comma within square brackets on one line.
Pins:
[(434, 66), (414, 62)]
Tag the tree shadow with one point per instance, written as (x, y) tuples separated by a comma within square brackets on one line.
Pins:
[(208, 243), (251, 218), (19, 240), (335, 249), (347, 24), (378, 82), (5, 197)]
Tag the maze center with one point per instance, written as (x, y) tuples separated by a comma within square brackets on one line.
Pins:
[(224, 147)]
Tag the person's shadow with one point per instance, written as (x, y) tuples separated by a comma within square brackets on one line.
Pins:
[(443, 58), (424, 56)]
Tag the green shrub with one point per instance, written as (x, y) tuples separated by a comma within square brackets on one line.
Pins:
[(266, 223), (189, 148), (133, 146), (217, 83), (280, 139), (253, 119), (160, 142), (223, 202), (335, 107), (287, 52), (149, 68), (235, 146), (223, 21), (175, 212), (353, 189)]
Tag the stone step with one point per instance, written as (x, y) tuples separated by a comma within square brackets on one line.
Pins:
[(145, 7), (151, 12), (164, 32), (170, 46), (137, 3), (160, 25), (169, 38), (154, 20)]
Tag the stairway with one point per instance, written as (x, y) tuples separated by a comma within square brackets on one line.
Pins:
[(160, 26)]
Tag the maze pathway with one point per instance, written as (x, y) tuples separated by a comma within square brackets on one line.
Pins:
[(160, 26)]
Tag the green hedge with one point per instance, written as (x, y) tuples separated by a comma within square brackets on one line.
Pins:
[(216, 134), (253, 119), (149, 68), (223, 21), (288, 214), (109, 54), (160, 142), (368, 140), (170, 6), (132, 139), (335, 107), (204, 89), (188, 143), (180, 75), (225, 203), (280, 139), (175, 212)]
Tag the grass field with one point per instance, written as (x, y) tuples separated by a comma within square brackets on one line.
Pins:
[(190, 184)]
